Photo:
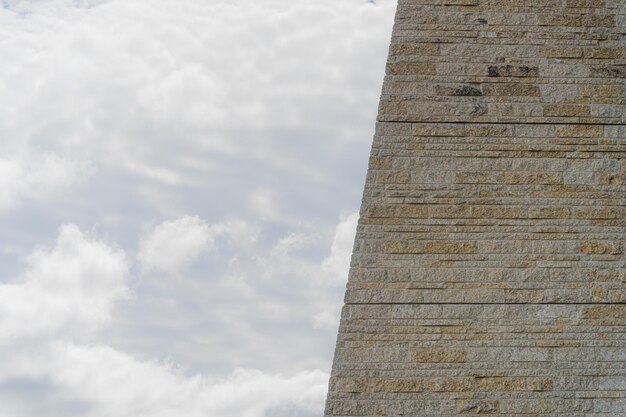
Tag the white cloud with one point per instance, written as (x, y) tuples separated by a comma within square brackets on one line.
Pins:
[(337, 264), (172, 245), (36, 177), (154, 82), (116, 384), (334, 276), (73, 286)]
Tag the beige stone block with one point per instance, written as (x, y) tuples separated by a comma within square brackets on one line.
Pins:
[(378, 163), (438, 130), (584, 3), (562, 52), (600, 248), (599, 213), (443, 212), (566, 110), (605, 53), (432, 355), (403, 247), (598, 20), (605, 312), (611, 178), (496, 384), (392, 177), (560, 20), (451, 247), (601, 91), (480, 407), (530, 178), (509, 90), (499, 212), (617, 296), (549, 213), (410, 68), (478, 130), (408, 49), (396, 211), (579, 131)]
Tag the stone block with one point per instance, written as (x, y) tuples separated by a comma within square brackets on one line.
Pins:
[(561, 52), (600, 247), (451, 247), (566, 110), (433, 355)]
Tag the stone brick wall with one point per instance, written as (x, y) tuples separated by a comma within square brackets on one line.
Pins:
[(488, 275)]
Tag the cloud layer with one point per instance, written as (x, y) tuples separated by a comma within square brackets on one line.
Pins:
[(171, 181), (73, 288)]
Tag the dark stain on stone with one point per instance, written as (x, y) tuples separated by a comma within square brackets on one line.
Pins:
[(613, 72), (480, 406), (493, 71), (512, 71), (479, 110), (467, 91), (480, 21)]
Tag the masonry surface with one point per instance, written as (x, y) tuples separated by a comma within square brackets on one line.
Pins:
[(488, 276)]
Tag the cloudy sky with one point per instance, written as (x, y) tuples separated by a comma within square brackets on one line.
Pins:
[(179, 182)]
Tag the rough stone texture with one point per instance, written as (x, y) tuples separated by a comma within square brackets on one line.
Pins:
[(488, 271)]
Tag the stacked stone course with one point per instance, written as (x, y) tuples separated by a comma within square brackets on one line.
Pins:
[(488, 275)]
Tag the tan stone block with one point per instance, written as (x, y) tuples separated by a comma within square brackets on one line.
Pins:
[(605, 311), (539, 384), (584, 3), (566, 110), (611, 178), (403, 247), (598, 20), (410, 68), (445, 212), (419, 49), (431, 355), (605, 53), (561, 52), (617, 296), (579, 131), (392, 177), (380, 162), (395, 107), (479, 131), (509, 90), (600, 248), (560, 20), (549, 213), (396, 385), (481, 407), (499, 212), (496, 384), (601, 91), (530, 178), (599, 213), (396, 211), (451, 247), (514, 384), (447, 384), (437, 130)]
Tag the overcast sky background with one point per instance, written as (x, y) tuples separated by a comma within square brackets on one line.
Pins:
[(179, 182)]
